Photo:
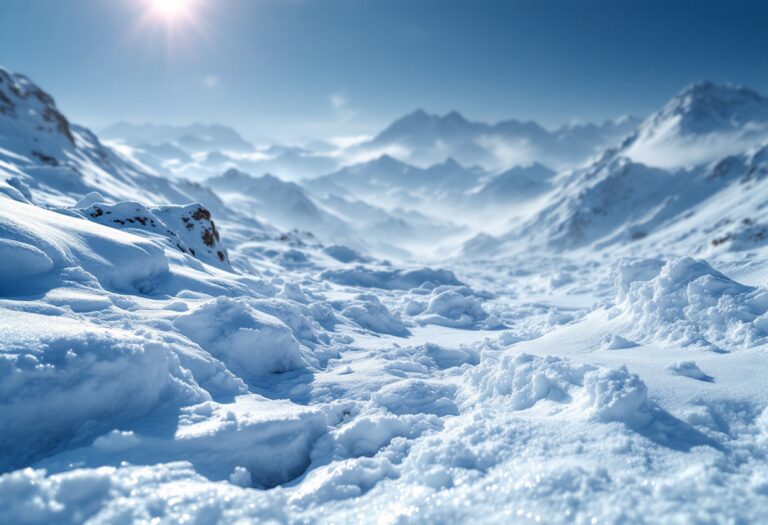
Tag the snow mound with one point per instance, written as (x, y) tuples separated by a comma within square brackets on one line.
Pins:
[(687, 302), (369, 313), (250, 342), (62, 384), (187, 228), (390, 279), (456, 307), (35, 242), (521, 381)]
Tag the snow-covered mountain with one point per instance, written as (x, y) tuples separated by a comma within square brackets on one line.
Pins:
[(424, 139), (333, 218), (392, 183), (51, 161), (514, 185), (285, 204), (703, 123), (618, 199)]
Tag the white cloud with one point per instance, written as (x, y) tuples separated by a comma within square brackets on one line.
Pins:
[(348, 141)]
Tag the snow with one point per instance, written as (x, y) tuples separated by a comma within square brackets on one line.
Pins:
[(51, 242), (368, 312), (393, 279), (248, 341), (595, 353), (689, 303)]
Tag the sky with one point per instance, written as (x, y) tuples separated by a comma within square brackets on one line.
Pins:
[(292, 69)]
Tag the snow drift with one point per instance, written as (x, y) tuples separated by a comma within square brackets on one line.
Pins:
[(686, 302)]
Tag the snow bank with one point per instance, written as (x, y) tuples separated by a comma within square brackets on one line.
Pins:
[(268, 442), (687, 302), (35, 241), (368, 312), (63, 382), (250, 342), (390, 279), (456, 307), (521, 381)]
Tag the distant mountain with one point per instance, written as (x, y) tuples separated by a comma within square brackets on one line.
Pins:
[(618, 199), (191, 158), (192, 138), (285, 204), (52, 161), (702, 123), (514, 185), (424, 139), (394, 183)]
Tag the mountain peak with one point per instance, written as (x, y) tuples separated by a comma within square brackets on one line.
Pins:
[(704, 108), (706, 92), (455, 117), (415, 116), (386, 160)]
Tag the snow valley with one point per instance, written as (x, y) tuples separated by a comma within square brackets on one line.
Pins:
[(448, 321)]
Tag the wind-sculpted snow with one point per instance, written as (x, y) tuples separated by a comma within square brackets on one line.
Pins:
[(685, 301)]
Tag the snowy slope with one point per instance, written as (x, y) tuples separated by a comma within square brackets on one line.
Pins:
[(58, 162)]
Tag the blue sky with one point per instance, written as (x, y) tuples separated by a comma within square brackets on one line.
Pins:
[(299, 68)]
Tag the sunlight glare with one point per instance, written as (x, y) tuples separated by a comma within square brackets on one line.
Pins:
[(171, 9)]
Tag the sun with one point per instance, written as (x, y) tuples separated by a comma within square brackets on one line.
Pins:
[(171, 9)]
